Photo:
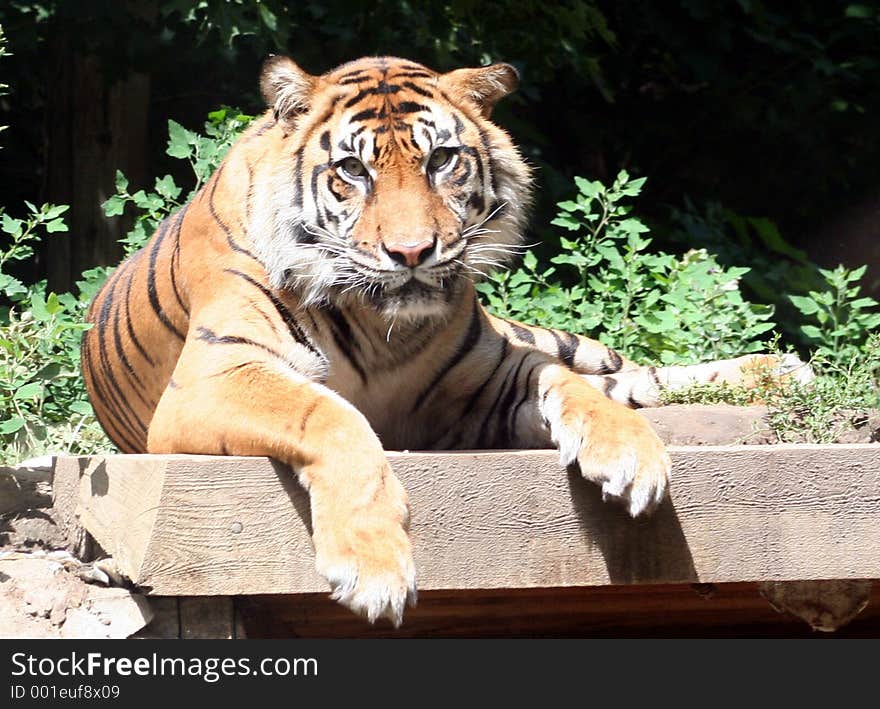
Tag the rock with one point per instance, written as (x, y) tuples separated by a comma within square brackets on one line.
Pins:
[(824, 605), (710, 425), (107, 613), (41, 597)]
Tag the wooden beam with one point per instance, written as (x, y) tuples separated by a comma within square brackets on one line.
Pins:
[(734, 610), (204, 525)]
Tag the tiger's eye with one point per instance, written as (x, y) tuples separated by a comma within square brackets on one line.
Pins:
[(440, 157), (353, 167)]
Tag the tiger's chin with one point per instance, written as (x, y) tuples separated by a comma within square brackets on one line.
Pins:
[(416, 301)]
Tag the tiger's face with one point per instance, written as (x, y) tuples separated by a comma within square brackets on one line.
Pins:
[(391, 184)]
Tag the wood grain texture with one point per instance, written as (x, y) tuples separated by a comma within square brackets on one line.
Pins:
[(502, 519)]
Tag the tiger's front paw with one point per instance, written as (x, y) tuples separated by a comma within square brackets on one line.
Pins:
[(367, 558), (615, 448)]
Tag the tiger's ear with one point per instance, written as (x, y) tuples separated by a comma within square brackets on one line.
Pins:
[(482, 87), (286, 87)]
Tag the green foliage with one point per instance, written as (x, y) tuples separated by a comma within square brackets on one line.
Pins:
[(844, 394), (43, 404), (843, 321), (203, 152), (652, 306)]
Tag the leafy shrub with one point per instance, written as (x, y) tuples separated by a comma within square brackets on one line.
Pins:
[(843, 322), (652, 306), (203, 152), (43, 404)]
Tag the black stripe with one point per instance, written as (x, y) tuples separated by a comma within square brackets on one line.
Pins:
[(230, 370), (359, 96), (128, 323), (567, 347), (616, 361), (409, 107), (268, 124), (493, 167), (502, 440), (233, 244), (522, 333), (297, 180), (526, 391), (471, 402), (481, 440), (353, 72), (632, 403), (652, 372), (175, 258), (365, 115), (414, 74), (288, 318), (418, 89), (608, 384), (99, 395), (464, 347), (383, 87), (117, 340), (121, 406), (262, 314), (151, 283), (343, 337), (212, 338)]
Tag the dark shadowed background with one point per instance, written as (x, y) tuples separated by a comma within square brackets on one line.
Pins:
[(731, 109)]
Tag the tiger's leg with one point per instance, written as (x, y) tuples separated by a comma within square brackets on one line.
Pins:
[(633, 385), (229, 398), (612, 445), (644, 386)]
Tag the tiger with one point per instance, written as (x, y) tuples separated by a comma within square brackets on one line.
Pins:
[(315, 303)]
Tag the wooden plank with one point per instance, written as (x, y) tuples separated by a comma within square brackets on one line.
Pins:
[(207, 618), (165, 624), (121, 515), (733, 610), (503, 519)]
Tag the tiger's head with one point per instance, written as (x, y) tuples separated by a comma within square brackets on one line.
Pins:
[(389, 183)]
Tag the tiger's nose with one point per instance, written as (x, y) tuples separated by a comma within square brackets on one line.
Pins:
[(410, 255)]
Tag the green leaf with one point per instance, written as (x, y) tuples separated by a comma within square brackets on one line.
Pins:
[(587, 188), (11, 226), (812, 331), (634, 187), (859, 12), (11, 425), (121, 182), (53, 306), (167, 188), (856, 274), (114, 206), (56, 211), (179, 140), (28, 391), (56, 225), (49, 372), (807, 306), (268, 17)]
